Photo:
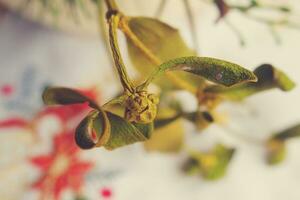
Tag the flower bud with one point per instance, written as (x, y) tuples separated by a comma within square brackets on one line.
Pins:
[(141, 107)]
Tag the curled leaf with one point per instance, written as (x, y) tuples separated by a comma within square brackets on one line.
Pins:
[(65, 96), (268, 78), (93, 130), (215, 70), (110, 131)]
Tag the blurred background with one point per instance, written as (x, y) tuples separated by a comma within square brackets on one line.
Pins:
[(38, 49)]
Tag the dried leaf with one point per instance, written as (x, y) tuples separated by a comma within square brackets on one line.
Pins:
[(268, 78)]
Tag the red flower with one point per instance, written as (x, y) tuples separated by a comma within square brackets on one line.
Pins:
[(61, 169)]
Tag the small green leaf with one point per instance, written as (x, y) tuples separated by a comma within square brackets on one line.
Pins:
[(268, 78), (65, 96), (215, 70), (212, 165), (276, 151), (164, 41), (291, 132)]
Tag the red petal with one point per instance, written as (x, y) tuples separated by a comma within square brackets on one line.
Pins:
[(61, 183), (64, 143), (65, 113), (39, 183), (80, 168), (43, 162), (14, 123)]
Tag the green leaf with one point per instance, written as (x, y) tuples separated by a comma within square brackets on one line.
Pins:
[(168, 138), (291, 132), (276, 151), (268, 78), (212, 165), (93, 130), (125, 133), (164, 41), (159, 123), (215, 70), (65, 96), (112, 131)]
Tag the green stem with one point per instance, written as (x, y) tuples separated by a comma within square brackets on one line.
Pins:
[(124, 78), (113, 19)]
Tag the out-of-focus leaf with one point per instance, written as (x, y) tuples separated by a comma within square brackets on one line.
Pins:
[(164, 41), (111, 130), (291, 132), (168, 133), (222, 7), (268, 78), (212, 165), (201, 119), (212, 69), (65, 96), (168, 138), (159, 123), (276, 151)]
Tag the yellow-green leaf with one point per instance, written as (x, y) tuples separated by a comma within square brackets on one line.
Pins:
[(168, 138), (164, 41), (276, 151), (212, 165)]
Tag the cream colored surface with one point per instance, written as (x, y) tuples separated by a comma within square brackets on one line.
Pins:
[(155, 176)]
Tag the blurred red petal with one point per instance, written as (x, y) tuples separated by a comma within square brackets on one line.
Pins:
[(14, 123), (43, 161)]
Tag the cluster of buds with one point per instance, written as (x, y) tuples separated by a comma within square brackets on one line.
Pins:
[(141, 107)]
